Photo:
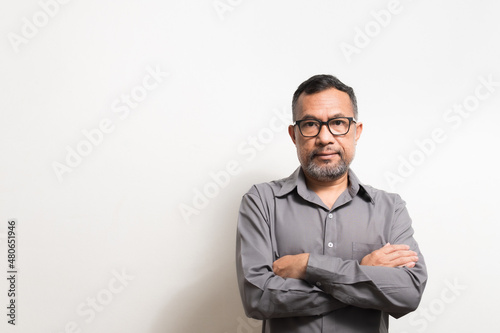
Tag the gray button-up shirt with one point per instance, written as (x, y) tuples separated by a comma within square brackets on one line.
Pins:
[(338, 294)]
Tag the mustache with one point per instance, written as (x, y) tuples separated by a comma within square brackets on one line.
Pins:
[(326, 150)]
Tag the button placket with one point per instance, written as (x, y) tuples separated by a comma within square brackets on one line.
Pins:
[(330, 226)]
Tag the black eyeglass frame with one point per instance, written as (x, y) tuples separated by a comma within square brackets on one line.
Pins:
[(321, 123)]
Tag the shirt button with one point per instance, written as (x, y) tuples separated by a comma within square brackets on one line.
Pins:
[(330, 215), (330, 244)]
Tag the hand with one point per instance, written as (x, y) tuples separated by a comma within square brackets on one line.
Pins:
[(391, 256), (291, 266)]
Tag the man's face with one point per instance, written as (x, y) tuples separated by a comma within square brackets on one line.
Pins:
[(325, 157)]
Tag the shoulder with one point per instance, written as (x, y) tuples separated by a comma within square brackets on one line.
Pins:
[(267, 190), (261, 198), (381, 197), (272, 189), (376, 196)]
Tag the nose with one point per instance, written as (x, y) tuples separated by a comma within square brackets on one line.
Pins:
[(325, 137)]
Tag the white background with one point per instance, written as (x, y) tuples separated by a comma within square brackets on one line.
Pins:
[(232, 67)]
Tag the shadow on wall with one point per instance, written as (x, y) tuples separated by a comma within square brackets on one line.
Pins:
[(212, 305)]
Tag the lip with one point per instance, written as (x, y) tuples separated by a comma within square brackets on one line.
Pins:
[(325, 155)]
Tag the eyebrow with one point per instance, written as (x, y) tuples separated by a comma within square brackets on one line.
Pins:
[(308, 116)]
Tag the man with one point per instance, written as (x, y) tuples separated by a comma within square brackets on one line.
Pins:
[(319, 251)]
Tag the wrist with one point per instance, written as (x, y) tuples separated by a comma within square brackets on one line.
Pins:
[(305, 261)]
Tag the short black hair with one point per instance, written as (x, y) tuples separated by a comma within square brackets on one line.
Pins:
[(319, 83)]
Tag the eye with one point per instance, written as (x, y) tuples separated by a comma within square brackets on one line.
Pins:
[(338, 122), (310, 123)]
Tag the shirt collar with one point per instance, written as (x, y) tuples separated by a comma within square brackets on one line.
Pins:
[(355, 187), (297, 180)]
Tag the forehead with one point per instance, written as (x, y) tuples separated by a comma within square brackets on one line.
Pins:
[(325, 104)]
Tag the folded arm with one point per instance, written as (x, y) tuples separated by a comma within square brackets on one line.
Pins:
[(391, 279), (265, 294)]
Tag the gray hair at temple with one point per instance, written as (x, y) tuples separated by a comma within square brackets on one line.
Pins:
[(319, 83)]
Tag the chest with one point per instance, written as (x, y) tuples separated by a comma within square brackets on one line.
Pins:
[(349, 232)]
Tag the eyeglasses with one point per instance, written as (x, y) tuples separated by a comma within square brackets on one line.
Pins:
[(337, 126)]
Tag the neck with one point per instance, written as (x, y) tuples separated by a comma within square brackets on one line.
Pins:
[(338, 183), (328, 191)]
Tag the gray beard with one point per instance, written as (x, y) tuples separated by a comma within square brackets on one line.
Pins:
[(326, 171)]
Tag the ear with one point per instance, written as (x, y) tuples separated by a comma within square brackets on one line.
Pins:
[(291, 132), (359, 129)]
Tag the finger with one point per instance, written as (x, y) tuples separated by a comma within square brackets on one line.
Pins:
[(398, 247), (411, 264), (276, 266), (392, 248), (400, 255), (404, 261)]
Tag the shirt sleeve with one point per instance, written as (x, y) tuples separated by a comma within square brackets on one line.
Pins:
[(396, 291), (264, 294)]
